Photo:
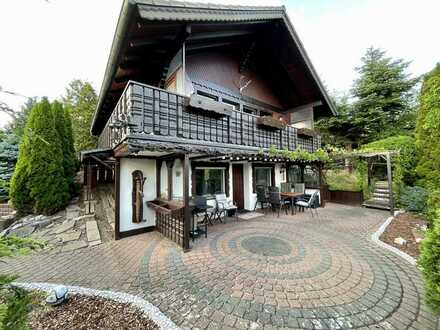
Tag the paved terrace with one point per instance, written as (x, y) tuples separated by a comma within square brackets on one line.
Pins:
[(287, 272)]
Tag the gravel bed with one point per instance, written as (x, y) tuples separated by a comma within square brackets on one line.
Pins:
[(145, 309), (402, 226)]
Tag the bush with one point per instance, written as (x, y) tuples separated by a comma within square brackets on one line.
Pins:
[(14, 305), (430, 264), (342, 180), (428, 131), (39, 179), (11, 246), (432, 206), (414, 199)]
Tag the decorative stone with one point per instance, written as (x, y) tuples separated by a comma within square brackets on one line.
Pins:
[(65, 226), (400, 241), (73, 246), (94, 243), (22, 232), (92, 231), (58, 295), (70, 236)]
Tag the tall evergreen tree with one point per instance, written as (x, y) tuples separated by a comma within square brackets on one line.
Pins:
[(63, 126), (428, 130), (81, 100), (38, 181), (384, 95)]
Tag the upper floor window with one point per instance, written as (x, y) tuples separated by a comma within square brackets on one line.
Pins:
[(250, 111), (234, 104), (210, 96)]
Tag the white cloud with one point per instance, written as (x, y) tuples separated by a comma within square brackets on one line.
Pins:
[(47, 44)]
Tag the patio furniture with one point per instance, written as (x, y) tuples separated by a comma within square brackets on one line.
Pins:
[(286, 187), (202, 212), (273, 189), (261, 197), (276, 202), (310, 204), (224, 207), (290, 198), (300, 187)]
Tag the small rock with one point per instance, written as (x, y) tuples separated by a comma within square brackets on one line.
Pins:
[(92, 231), (86, 217), (419, 239), (57, 295), (400, 241)]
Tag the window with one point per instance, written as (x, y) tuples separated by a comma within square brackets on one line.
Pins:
[(263, 176), (209, 96), (295, 174), (209, 181), (311, 176), (265, 113), (234, 104), (249, 110)]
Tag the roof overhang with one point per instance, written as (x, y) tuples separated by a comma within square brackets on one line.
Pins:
[(163, 15)]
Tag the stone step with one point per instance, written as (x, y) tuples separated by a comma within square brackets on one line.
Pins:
[(92, 231), (381, 195)]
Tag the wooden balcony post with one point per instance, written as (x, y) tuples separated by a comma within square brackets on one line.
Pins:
[(187, 211)]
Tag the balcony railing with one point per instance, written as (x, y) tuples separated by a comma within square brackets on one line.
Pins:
[(143, 111)]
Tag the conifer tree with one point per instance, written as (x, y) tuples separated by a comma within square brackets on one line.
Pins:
[(428, 131), (38, 180), (63, 126)]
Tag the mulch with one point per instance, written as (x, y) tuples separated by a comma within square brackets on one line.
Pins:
[(402, 226), (91, 313)]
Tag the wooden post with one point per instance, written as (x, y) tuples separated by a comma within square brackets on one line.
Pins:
[(170, 165), (390, 183), (187, 214), (158, 176), (117, 197)]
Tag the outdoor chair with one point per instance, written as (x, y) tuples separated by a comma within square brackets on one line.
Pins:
[(277, 203), (202, 215), (224, 207), (300, 187), (273, 189), (286, 187), (261, 197), (310, 204)]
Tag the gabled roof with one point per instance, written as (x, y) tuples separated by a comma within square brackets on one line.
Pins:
[(170, 13)]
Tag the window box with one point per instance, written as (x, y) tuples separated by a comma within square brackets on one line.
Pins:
[(209, 105), (307, 132), (271, 122)]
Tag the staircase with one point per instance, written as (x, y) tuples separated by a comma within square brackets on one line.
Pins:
[(381, 196)]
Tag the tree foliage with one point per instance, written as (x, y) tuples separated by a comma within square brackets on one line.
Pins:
[(39, 182), (8, 158), (81, 100), (63, 124), (382, 106), (428, 131)]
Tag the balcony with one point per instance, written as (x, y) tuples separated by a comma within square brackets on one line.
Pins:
[(150, 115)]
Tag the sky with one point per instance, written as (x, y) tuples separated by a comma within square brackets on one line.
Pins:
[(47, 43)]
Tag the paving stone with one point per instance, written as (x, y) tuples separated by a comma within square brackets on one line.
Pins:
[(73, 246), (92, 231), (291, 272), (65, 226), (69, 236)]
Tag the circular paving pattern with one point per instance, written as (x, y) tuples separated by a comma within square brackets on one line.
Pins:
[(284, 274), (266, 246)]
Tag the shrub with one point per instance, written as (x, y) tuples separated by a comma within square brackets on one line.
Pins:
[(432, 206), (14, 305), (38, 179), (428, 131), (342, 180), (430, 264), (63, 124), (414, 199)]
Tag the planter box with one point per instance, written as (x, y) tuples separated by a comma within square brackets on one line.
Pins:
[(163, 206), (271, 122), (346, 197)]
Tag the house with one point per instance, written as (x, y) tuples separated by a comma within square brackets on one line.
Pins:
[(193, 97)]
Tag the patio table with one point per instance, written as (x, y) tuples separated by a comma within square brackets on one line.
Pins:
[(291, 196)]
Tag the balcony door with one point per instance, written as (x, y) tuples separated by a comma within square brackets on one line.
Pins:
[(237, 183)]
